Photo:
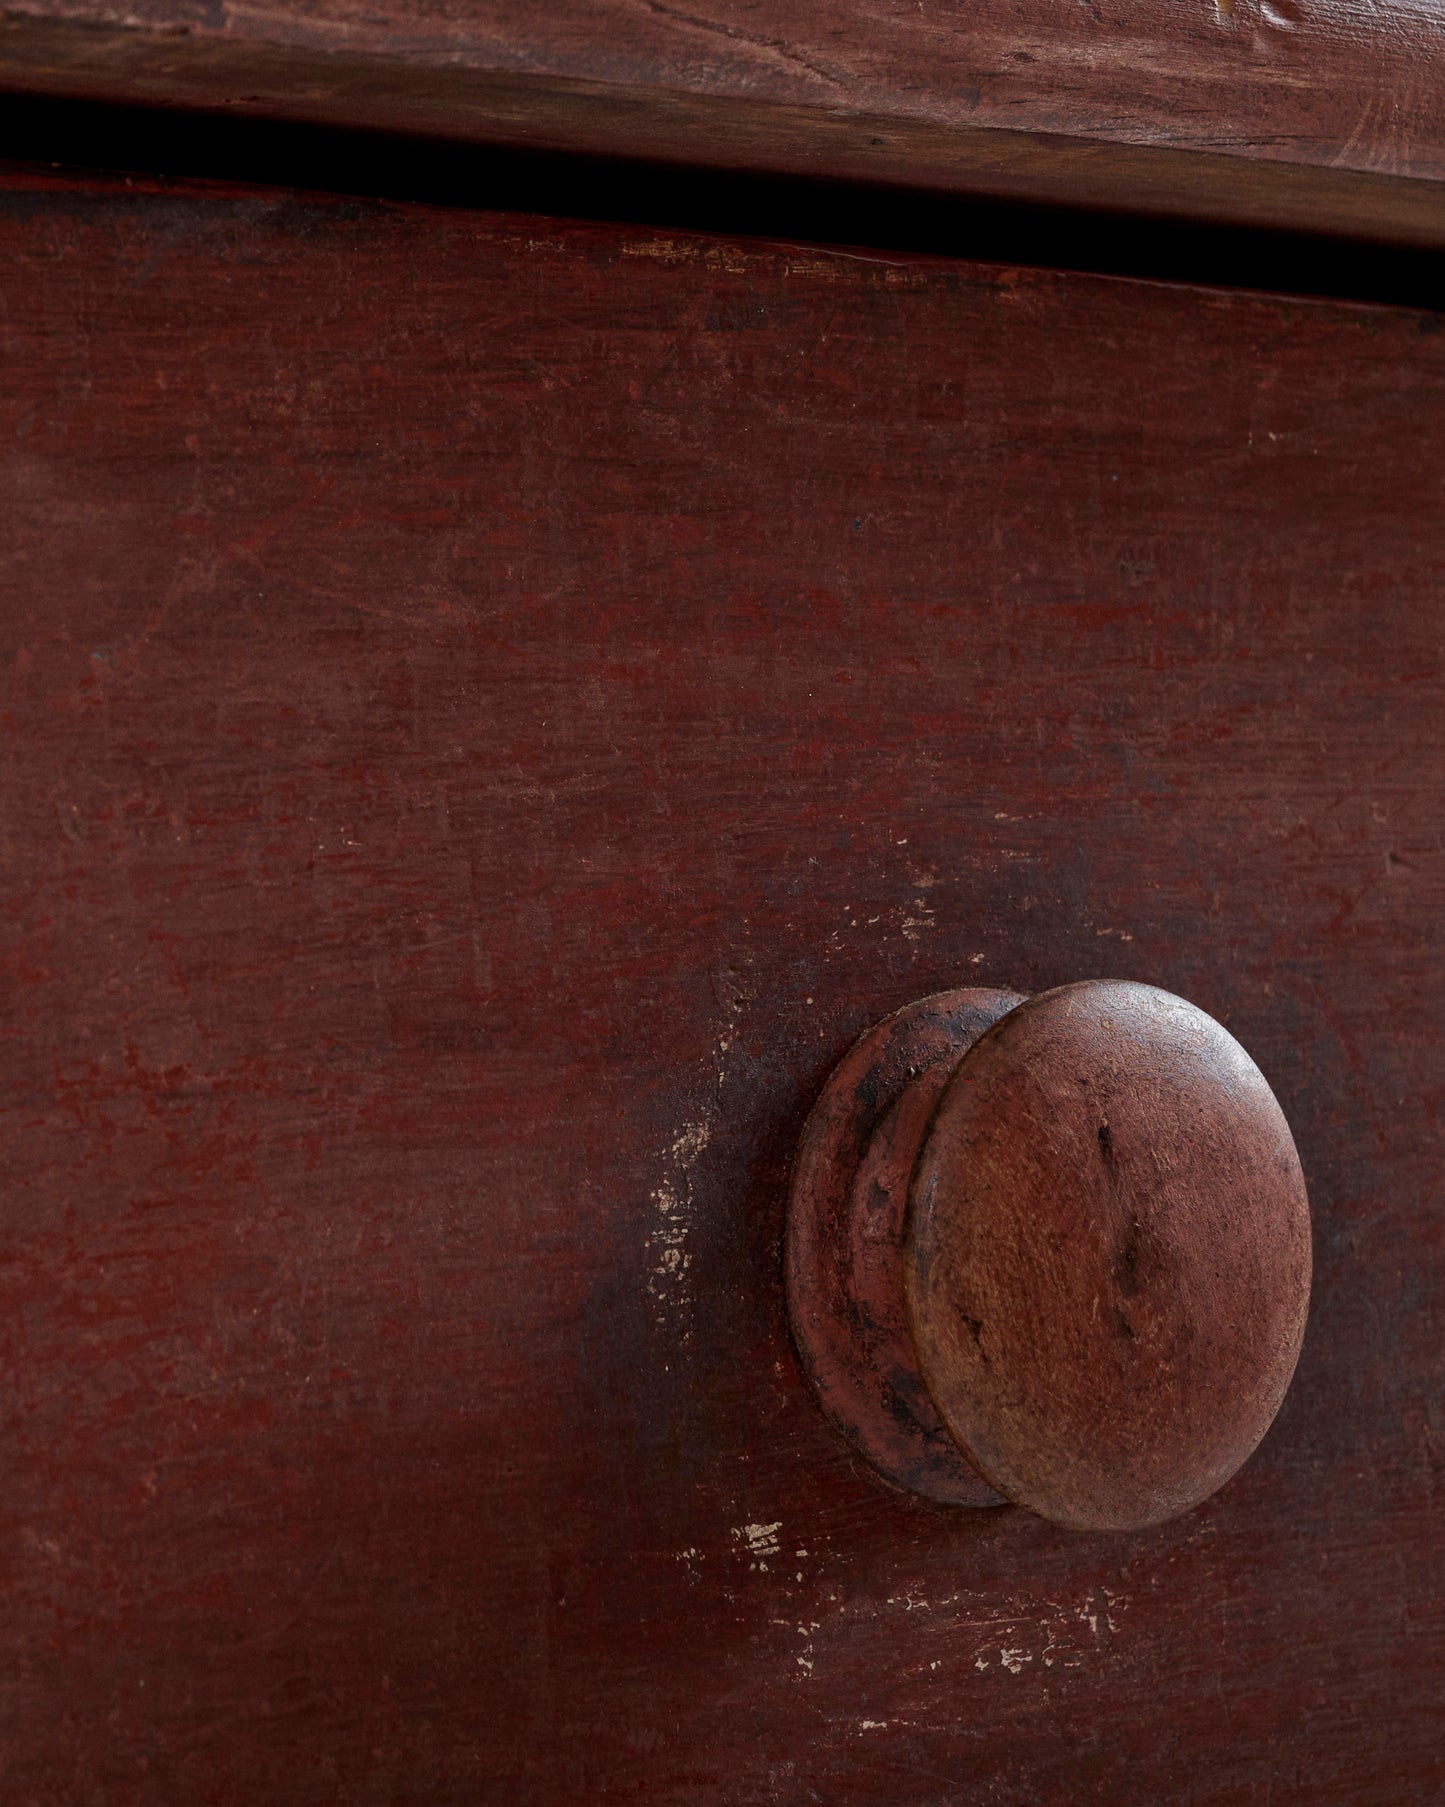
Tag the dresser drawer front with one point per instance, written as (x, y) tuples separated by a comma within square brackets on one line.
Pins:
[(493, 709)]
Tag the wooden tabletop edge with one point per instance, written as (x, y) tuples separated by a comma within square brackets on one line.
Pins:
[(136, 64)]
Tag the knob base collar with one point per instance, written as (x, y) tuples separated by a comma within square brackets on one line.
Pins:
[(847, 1222)]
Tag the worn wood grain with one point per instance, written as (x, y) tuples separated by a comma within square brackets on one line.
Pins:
[(1323, 115), (492, 709)]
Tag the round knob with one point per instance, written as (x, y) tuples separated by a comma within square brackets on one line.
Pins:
[(1053, 1251)]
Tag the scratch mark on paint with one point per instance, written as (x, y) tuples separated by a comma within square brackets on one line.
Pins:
[(1015, 1634), (909, 1602), (675, 1197)]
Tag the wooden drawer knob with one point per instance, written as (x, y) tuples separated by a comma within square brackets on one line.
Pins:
[(1054, 1251)]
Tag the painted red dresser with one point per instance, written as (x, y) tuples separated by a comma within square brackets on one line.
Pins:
[(493, 706)]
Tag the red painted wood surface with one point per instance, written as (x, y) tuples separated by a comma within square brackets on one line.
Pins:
[(1325, 115), (491, 710)]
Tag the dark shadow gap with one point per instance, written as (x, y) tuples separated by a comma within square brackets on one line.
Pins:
[(172, 145)]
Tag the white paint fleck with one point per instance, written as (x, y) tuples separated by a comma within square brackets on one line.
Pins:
[(915, 925), (918, 917), (804, 1658), (760, 1540), (674, 1201)]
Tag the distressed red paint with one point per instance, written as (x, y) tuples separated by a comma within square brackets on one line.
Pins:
[(472, 765)]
